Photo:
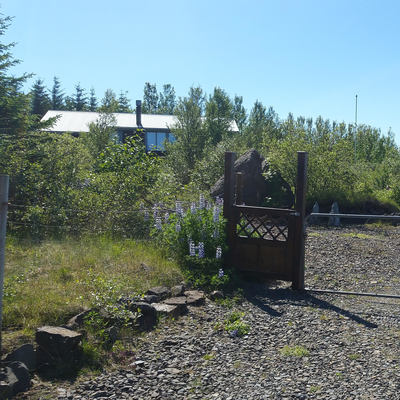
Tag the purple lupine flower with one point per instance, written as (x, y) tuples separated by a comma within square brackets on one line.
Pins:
[(218, 255), (178, 227), (220, 273), (215, 233), (158, 224), (201, 250), (192, 248), (216, 213), (202, 202), (166, 217), (178, 208), (146, 215), (233, 333), (193, 208), (219, 201), (155, 211)]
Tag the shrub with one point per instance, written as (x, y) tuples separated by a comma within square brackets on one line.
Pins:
[(196, 239)]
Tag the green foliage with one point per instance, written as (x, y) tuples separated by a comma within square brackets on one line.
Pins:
[(167, 100), (199, 226), (150, 99), (100, 133), (190, 136), (205, 226), (15, 106), (79, 99), (40, 99), (219, 110), (57, 96), (235, 325), (109, 103)]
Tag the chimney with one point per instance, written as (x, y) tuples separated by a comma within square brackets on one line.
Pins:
[(139, 113)]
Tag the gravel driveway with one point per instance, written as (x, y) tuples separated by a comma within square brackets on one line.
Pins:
[(300, 346)]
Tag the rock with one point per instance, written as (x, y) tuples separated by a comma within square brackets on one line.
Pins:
[(112, 334), (168, 310), (25, 354), (151, 298), (179, 302), (148, 318), (57, 345), (172, 371), (161, 291), (260, 184), (216, 294), (177, 290), (78, 320), (194, 298), (15, 378), (334, 221)]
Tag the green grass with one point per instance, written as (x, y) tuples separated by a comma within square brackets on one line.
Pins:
[(294, 351), (48, 282)]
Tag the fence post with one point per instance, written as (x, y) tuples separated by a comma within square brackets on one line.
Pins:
[(3, 227), (301, 184), (229, 198), (239, 188)]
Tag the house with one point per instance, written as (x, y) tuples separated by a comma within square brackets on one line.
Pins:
[(156, 127)]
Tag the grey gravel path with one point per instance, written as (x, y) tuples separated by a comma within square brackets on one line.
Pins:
[(301, 346)]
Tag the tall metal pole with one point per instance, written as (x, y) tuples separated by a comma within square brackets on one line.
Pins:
[(3, 226), (355, 133)]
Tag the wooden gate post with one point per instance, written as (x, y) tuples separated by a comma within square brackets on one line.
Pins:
[(229, 198), (301, 184), (239, 188)]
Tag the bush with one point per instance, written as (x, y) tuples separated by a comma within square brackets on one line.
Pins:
[(196, 239)]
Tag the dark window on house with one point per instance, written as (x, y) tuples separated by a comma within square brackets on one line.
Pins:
[(155, 141)]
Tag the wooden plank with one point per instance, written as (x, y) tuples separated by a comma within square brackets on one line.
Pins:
[(260, 211)]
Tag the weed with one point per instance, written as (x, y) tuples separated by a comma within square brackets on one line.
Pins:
[(294, 351), (314, 389), (339, 375), (209, 357), (354, 356), (237, 364), (235, 326)]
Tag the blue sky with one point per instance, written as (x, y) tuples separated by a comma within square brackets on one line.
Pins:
[(306, 57)]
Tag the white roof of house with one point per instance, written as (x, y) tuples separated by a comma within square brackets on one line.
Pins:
[(78, 121)]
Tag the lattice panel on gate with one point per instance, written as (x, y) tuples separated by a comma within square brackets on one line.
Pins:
[(263, 227)]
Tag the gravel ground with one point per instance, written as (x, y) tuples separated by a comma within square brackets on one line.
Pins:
[(300, 346)]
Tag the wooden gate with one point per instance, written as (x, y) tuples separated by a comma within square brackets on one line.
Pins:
[(266, 242)]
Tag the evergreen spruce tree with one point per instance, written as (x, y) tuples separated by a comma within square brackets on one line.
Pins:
[(124, 105), (15, 106), (92, 100), (79, 99), (57, 96), (69, 103), (40, 99)]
